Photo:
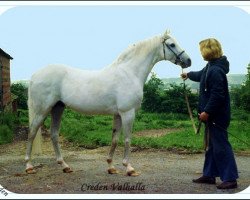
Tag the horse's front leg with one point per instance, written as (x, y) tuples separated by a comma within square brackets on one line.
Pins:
[(127, 124), (117, 124)]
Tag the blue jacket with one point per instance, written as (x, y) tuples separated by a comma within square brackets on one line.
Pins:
[(214, 96)]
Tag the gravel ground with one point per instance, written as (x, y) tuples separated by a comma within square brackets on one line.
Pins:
[(162, 172)]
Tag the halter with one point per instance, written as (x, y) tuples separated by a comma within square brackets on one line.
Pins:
[(177, 56)]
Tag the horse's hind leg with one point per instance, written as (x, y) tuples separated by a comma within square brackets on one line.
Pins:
[(56, 116), (117, 124), (35, 125)]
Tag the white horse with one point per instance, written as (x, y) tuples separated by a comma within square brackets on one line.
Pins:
[(116, 90)]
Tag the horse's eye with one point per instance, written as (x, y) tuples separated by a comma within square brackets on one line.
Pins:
[(172, 45)]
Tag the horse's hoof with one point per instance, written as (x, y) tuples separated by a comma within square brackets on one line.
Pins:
[(112, 171), (133, 173), (67, 170), (30, 171)]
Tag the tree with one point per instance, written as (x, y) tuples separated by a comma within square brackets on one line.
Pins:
[(241, 96), (21, 92)]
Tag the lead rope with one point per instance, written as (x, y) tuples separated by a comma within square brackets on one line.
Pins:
[(189, 109), (220, 127)]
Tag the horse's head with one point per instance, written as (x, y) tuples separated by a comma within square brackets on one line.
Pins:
[(173, 52)]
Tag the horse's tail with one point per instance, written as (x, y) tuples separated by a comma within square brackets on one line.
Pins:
[(37, 143)]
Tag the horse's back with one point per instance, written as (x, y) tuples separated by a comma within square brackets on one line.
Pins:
[(49, 72)]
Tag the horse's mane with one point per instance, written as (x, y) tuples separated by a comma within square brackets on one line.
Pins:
[(135, 49)]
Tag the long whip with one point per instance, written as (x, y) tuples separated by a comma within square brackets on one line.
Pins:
[(189, 109)]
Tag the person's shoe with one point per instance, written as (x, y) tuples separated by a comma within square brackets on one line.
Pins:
[(205, 179), (228, 185)]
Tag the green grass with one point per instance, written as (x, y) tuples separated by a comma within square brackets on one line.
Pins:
[(95, 131), (177, 140), (241, 130)]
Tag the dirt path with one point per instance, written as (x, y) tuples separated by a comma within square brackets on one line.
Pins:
[(162, 172)]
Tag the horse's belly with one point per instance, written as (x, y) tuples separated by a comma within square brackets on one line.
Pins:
[(94, 110), (93, 105)]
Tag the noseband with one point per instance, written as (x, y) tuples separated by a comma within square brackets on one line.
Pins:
[(177, 56)]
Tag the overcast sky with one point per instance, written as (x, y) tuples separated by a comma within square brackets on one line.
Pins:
[(91, 37)]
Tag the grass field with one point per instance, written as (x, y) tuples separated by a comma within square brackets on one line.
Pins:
[(95, 131)]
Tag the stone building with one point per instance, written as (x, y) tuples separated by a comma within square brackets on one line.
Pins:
[(5, 94)]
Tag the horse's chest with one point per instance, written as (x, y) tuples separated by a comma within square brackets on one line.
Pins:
[(129, 98)]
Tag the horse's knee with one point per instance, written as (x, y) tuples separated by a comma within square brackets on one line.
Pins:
[(114, 142), (127, 141), (33, 132)]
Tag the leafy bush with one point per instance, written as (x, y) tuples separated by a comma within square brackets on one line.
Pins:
[(167, 100), (239, 115), (173, 99), (6, 134), (23, 117), (8, 123), (152, 94)]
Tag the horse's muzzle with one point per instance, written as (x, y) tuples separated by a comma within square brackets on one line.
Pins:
[(186, 63), (189, 62)]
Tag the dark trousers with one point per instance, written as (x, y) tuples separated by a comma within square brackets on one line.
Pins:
[(219, 157)]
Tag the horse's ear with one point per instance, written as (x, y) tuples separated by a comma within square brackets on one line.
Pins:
[(166, 34)]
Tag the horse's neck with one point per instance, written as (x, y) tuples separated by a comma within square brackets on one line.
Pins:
[(142, 59)]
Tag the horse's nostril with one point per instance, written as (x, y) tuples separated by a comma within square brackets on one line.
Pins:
[(189, 62)]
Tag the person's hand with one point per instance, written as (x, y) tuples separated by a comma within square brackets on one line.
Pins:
[(184, 76), (203, 116)]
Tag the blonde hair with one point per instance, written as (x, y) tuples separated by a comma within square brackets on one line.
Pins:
[(210, 49)]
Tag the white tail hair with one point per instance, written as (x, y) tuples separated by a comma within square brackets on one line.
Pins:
[(37, 143)]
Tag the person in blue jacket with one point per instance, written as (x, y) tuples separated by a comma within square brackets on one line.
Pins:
[(214, 111)]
